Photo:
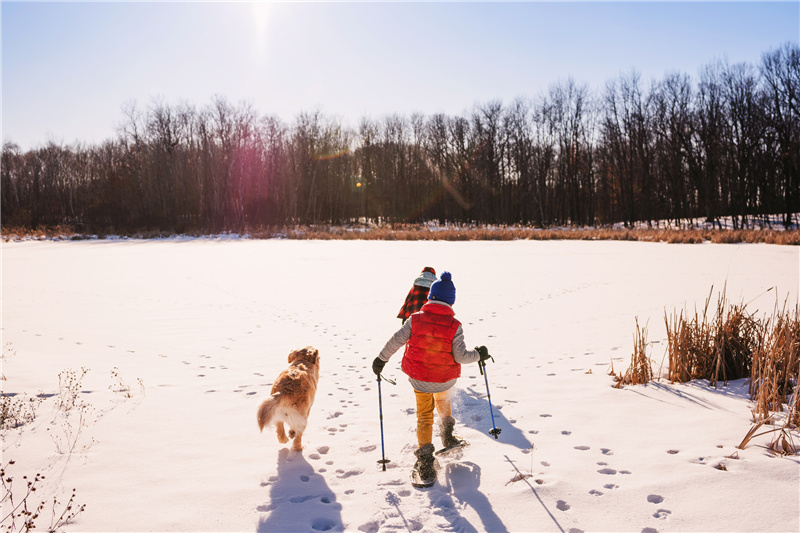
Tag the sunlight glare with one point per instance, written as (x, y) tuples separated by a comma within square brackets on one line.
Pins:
[(261, 16)]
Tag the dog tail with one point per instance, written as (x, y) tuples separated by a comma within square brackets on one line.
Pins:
[(267, 410)]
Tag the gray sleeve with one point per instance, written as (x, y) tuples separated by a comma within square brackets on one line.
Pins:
[(460, 353), (397, 341)]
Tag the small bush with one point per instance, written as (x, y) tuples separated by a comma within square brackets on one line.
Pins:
[(17, 411), (22, 514), (69, 388)]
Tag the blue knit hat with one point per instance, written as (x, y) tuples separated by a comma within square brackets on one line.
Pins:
[(443, 290)]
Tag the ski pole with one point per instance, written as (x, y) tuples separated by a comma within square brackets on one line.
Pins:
[(383, 460), (495, 431)]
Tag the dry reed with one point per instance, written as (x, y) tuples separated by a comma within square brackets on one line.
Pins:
[(443, 232), (640, 371), (713, 348), (734, 344), (776, 365)]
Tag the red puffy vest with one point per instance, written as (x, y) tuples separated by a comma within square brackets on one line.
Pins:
[(429, 351)]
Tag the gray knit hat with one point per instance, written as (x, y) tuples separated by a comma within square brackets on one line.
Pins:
[(426, 278)]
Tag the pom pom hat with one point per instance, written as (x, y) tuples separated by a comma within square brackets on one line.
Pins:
[(443, 290)]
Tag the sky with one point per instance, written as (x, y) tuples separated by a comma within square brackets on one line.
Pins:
[(68, 68)]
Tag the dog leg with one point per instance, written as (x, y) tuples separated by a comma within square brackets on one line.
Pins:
[(282, 438), (297, 444)]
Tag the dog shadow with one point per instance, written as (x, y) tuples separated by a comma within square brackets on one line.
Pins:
[(299, 499), (471, 408)]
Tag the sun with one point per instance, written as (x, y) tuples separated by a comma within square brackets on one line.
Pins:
[(261, 12)]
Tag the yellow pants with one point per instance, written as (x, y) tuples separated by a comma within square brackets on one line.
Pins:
[(425, 404)]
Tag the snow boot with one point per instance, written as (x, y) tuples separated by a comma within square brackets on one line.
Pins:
[(446, 428), (424, 473)]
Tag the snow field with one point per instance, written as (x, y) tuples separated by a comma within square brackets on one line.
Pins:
[(206, 324)]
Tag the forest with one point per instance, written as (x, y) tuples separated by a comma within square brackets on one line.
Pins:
[(725, 143)]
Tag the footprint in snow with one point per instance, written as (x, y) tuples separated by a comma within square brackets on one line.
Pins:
[(655, 498), (562, 505)]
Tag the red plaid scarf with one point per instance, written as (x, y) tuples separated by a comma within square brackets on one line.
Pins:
[(416, 298)]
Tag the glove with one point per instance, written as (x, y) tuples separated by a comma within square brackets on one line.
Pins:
[(377, 366), (484, 351)]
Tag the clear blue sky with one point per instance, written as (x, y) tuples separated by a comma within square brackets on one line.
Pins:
[(68, 68)]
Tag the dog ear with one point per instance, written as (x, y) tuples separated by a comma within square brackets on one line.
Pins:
[(313, 354)]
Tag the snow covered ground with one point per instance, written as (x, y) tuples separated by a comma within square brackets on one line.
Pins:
[(197, 329)]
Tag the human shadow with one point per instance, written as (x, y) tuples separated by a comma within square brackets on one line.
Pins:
[(299, 499), (471, 408), (463, 480)]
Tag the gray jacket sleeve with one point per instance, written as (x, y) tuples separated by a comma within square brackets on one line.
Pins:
[(397, 341), (460, 352)]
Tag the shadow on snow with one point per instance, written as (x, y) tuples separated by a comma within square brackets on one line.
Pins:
[(299, 499), (471, 408)]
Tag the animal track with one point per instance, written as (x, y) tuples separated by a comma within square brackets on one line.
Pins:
[(582, 448), (562, 505), (655, 498), (662, 514), (322, 524), (607, 471), (349, 473)]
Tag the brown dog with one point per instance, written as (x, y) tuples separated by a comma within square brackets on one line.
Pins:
[(292, 396)]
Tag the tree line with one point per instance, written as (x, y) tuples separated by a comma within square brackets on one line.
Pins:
[(726, 143)]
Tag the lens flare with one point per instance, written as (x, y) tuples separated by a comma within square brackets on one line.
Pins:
[(332, 155)]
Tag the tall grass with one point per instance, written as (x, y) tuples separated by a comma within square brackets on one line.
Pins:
[(734, 344), (716, 348), (452, 232), (640, 370), (776, 365)]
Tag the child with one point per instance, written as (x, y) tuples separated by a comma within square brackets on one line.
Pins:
[(418, 294), (435, 351)]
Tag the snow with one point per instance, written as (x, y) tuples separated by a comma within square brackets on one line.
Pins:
[(206, 325)]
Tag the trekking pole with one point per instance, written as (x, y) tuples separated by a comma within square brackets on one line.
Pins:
[(383, 459), (495, 431)]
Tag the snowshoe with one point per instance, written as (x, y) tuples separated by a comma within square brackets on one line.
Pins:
[(424, 473), (447, 450)]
